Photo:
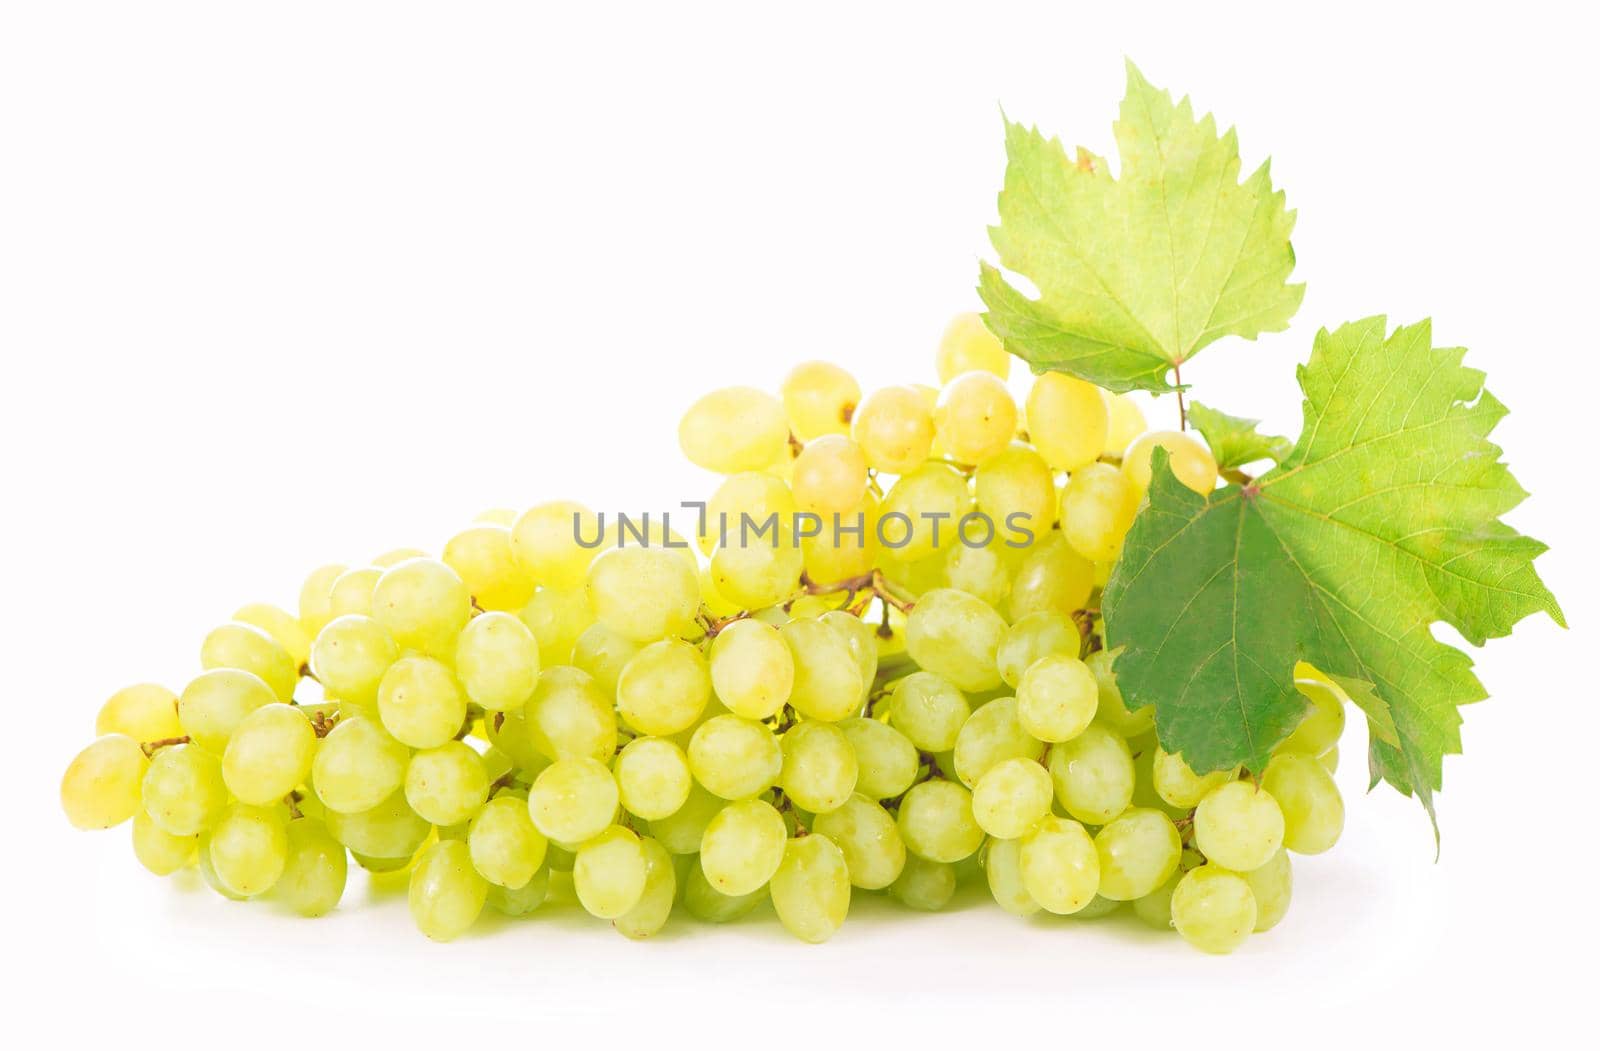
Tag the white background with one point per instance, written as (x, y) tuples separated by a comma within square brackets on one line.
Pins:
[(289, 283)]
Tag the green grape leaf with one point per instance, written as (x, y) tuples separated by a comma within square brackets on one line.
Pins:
[(1137, 273), (1234, 440), (1383, 520)]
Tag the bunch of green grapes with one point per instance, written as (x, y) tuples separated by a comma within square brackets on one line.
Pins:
[(561, 708)]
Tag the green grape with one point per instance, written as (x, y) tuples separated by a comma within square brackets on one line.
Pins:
[(1187, 457), (887, 760), (1313, 810), (1051, 577), (1011, 797), (497, 662), (1060, 868), (248, 849), (654, 907), (827, 676), (894, 427), (351, 594), (1155, 908), (1016, 490), (208, 872), (557, 619), (158, 850), (253, 650), (1112, 710), (819, 767), (955, 635), (975, 417), (936, 822), (982, 572), (1138, 852), (734, 429), (183, 790), (819, 398), (830, 475), (741, 505), (924, 885), (609, 873), (1002, 868), (862, 639), (967, 346), (1093, 775), (932, 499), (389, 830), (603, 654), (1271, 885), (735, 758), (573, 800), (544, 542), (752, 670), (350, 656), (1057, 698), (519, 901), (216, 702), (653, 778), (755, 571), (811, 888), (1213, 909), (664, 688), (101, 786), (423, 604), (507, 850), (929, 711), (481, 556), (316, 598), (314, 871), (358, 766), (145, 713), (1180, 786), (840, 551), (570, 717), (1067, 420), (870, 840), (644, 593), (446, 785), (1324, 719), (1126, 422), (709, 905), (992, 734), (282, 627), (446, 893), (743, 846), (269, 754), (681, 831), (1035, 636), (1238, 826), (1097, 510)]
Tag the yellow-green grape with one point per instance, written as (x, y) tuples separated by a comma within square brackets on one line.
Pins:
[(1139, 851), (423, 604), (1155, 909), (936, 822), (101, 786), (497, 662), (1188, 459), (269, 754), (570, 717), (1002, 869), (1067, 420), (208, 872), (862, 640), (350, 656), (314, 870), (713, 601), (709, 905), (819, 766), (975, 417), (1059, 865), (1238, 826), (894, 428), (1093, 775), (420, 702), (664, 688), (481, 556), (1180, 786), (250, 649), (508, 733), (1016, 489), (811, 888), (248, 849), (827, 677), (1125, 422), (886, 758), (982, 572), (1051, 577), (742, 504), (743, 846), (281, 626), (734, 429), (1214, 909), (603, 654), (446, 785), (358, 766), (146, 712), (609, 873), (957, 636), (929, 711), (216, 702), (1098, 507), (920, 514), (924, 885), (1111, 709), (557, 620), (993, 733), (1324, 719), (1313, 810), (1272, 885), (681, 831), (519, 901), (654, 906), (870, 839), (967, 346), (544, 542), (1032, 637), (735, 758), (316, 598), (446, 893), (183, 790), (830, 475), (390, 830), (653, 778), (506, 848), (1057, 698), (573, 800), (644, 593), (1011, 797), (351, 592), (758, 570), (752, 669), (846, 546), (159, 850), (819, 398)]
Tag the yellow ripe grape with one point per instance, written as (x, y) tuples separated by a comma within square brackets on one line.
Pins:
[(680, 831), (183, 791), (734, 429), (1002, 870), (894, 428), (216, 702), (653, 778), (1324, 719), (1214, 909), (664, 688), (819, 398), (1067, 420), (920, 514), (1051, 577), (1125, 422), (983, 571), (1238, 826), (1112, 709), (284, 628), (506, 848), (846, 546), (248, 849), (1139, 851), (1057, 698), (975, 417), (569, 716), (886, 759), (1031, 638), (160, 851), (269, 754), (557, 620), (758, 570), (316, 598), (811, 889), (1098, 507), (711, 600), (350, 656), (1180, 786), (743, 846), (820, 768), (386, 831), (573, 800), (830, 475), (660, 894), (1189, 460), (968, 346), (743, 504), (644, 593), (990, 736), (424, 604), (481, 556), (735, 758), (351, 592), (497, 662), (253, 650), (420, 703), (1016, 481), (936, 822), (1313, 810), (956, 636), (315, 871), (545, 543), (752, 669), (867, 834), (1093, 775), (101, 786), (602, 653), (1271, 885), (609, 873), (358, 766), (1011, 797), (446, 785), (146, 712), (827, 677), (1059, 865), (446, 894)]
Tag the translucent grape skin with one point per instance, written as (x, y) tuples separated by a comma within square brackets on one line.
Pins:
[(497, 662), (350, 656), (1060, 866), (956, 636), (314, 871), (1272, 885), (653, 777), (569, 717), (160, 851), (1002, 868), (446, 893), (936, 822), (573, 800), (1180, 786), (1093, 775), (650, 913), (819, 399), (752, 669), (1313, 810), (894, 428), (743, 846), (609, 873), (269, 754), (506, 848), (735, 758), (423, 604), (1238, 826), (446, 785), (1214, 909), (929, 711), (967, 345), (358, 766), (830, 475), (145, 712), (1037, 635), (975, 417), (664, 688), (643, 593), (1188, 458), (101, 786), (811, 888), (183, 790), (887, 761), (482, 556), (1012, 796), (827, 677), (820, 768), (216, 702), (390, 831), (924, 885), (1067, 420), (869, 838), (1138, 852), (1098, 507), (993, 733), (248, 849), (250, 649), (734, 429), (1057, 698)]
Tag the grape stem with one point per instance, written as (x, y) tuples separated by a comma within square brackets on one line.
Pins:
[(1177, 381), (323, 723), (150, 748)]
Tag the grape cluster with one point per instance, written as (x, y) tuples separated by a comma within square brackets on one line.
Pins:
[(651, 722)]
